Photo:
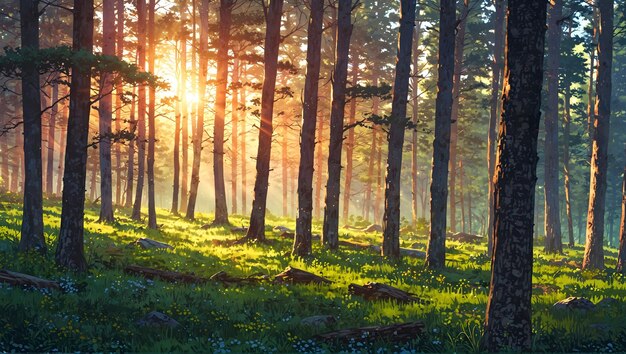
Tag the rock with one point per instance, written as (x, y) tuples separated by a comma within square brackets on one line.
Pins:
[(373, 228), (282, 229), (318, 321), (287, 234), (378, 291), (293, 275), (239, 229), (147, 244), (575, 303), (607, 302), (157, 319)]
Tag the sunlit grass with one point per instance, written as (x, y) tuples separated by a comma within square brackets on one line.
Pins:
[(101, 308)]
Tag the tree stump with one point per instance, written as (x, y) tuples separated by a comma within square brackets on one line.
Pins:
[(298, 276), (402, 332), (25, 280), (166, 275), (378, 291)]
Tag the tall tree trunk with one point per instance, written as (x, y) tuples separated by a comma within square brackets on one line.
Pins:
[(496, 70), (285, 163), (92, 158), (415, 113), (319, 168), (221, 208), (274, 11), (69, 252), (118, 102), (184, 177), (461, 195), (130, 164), (436, 251), (180, 90), (397, 126), (105, 114), (141, 110), (456, 96), (152, 221), (235, 135), (592, 72), (469, 210), (594, 253), (244, 160), (350, 142), (372, 161), (380, 176), (508, 321), (330, 234), (621, 257), (552, 219), (32, 215), (52, 123), (17, 176), (198, 132), (567, 119), (5, 174)]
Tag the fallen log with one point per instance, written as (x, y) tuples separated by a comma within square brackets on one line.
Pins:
[(166, 275), (378, 291), (297, 276), (147, 243), (465, 237), (25, 280), (228, 279), (402, 332)]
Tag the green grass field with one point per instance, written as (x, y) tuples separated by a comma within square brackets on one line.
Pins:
[(98, 311)]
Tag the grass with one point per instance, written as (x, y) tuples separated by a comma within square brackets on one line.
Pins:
[(98, 310)]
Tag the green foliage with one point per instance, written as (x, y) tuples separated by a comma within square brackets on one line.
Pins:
[(98, 311)]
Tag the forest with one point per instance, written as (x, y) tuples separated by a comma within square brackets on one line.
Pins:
[(312, 176)]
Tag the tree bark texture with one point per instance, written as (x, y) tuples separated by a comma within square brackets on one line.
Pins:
[(330, 232), (221, 208), (621, 257), (391, 218), (350, 143), (436, 255), (274, 11), (105, 111), (496, 70), (69, 252), (141, 110), (508, 321), (552, 218), (594, 253), (32, 213), (152, 220)]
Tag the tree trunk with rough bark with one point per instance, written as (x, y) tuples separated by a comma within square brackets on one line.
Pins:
[(508, 322), (105, 111), (372, 161), (184, 167), (459, 45), (234, 136), (119, 47), (350, 142), (198, 132), (274, 12), (244, 161), (594, 253), (180, 90), (152, 220), (32, 238), (415, 113), (141, 110), (330, 233), (621, 257), (496, 71), (130, 163), (592, 73), (436, 252), (552, 218), (567, 120), (70, 252), (391, 218), (221, 208), (62, 141)]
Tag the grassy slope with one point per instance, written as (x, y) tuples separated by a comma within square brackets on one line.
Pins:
[(100, 309)]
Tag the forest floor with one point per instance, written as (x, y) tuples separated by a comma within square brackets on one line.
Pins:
[(99, 311)]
